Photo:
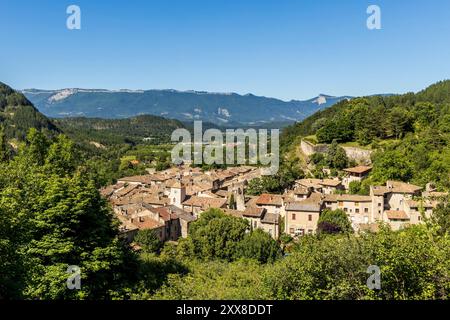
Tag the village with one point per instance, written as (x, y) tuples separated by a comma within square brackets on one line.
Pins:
[(169, 201)]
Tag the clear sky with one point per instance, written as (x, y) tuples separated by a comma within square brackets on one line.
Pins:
[(289, 49)]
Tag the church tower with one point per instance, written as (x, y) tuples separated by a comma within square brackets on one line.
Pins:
[(239, 199), (177, 194)]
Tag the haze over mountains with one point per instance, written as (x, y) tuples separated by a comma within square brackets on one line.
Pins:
[(219, 108)]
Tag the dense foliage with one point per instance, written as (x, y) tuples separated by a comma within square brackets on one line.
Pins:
[(330, 267), (288, 172), (334, 221), (137, 130), (52, 217), (410, 133), (18, 115)]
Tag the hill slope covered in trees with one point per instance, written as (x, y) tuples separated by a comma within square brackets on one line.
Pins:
[(112, 131), (18, 115), (410, 133)]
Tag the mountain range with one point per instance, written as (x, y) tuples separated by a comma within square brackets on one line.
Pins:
[(219, 108)]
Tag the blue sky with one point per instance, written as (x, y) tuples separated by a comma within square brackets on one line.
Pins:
[(285, 49)]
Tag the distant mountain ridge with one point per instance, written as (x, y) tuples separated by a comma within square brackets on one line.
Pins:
[(220, 108)]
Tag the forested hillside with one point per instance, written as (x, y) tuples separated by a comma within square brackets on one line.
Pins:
[(18, 115), (410, 133), (109, 132)]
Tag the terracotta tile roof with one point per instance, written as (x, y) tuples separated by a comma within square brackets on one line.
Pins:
[(379, 190), (318, 183), (397, 215), (163, 212), (137, 179), (330, 182), (176, 184), (222, 193), (358, 169), (234, 213), (254, 212), (304, 205), (205, 202), (180, 213), (418, 204), (269, 200), (271, 218), (108, 191), (124, 191), (251, 201), (402, 187), (311, 204), (146, 223), (210, 194), (301, 191), (154, 200)]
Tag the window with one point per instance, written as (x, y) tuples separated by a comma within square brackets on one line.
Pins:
[(309, 217), (356, 210), (366, 210), (356, 204), (254, 224), (291, 230), (345, 210), (293, 216), (341, 204), (310, 231), (379, 204)]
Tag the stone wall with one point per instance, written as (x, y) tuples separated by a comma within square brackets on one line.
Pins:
[(358, 154), (309, 149), (354, 153)]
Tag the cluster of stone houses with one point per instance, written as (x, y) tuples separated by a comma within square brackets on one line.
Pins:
[(397, 203), (169, 201)]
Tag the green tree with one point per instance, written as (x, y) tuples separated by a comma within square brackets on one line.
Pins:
[(5, 150), (62, 156), (441, 216), (54, 221), (148, 241), (258, 245), (334, 221), (337, 158), (391, 165), (36, 147), (214, 235)]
